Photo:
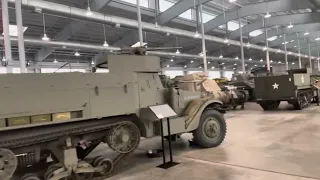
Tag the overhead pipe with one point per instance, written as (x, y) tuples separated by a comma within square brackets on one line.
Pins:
[(75, 45), (103, 18)]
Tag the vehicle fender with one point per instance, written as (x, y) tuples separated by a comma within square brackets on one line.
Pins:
[(195, 109)]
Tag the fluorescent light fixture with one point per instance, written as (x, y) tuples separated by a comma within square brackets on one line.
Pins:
[(221, 56), (13, 30), (236, 58), (92, 62), (137, 44), (268, 15), (55, 61), (209, 62), (45, 37), (246, 64), (279, 62), (234, 68), (197, 34), (290, 25), (226, 40), (3, 59), (168, 65), (255, 33), (105, 44), (318, 38), (248, 44), (255, 65), (171, 60), (250, 59), (285, 42), (232, 1), (293, 63), (272, 38), (292, 41), (306, 33), (261, 60), (271, 61), (191, 61), (235, 64), (278, 51), (185, 66), (265, 48), (177, 52), (306, 56), (77, 53), (289, 52), (222, 63), (200, 67), (212, 67), (294, 46), (89, 12)]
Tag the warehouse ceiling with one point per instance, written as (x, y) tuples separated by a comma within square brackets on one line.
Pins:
[(303, 15)]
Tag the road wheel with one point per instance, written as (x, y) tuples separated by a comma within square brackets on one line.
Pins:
[(211, 130)]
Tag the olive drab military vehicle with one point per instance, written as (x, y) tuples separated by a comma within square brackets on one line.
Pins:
[(294, 87), (66, 115), (230, 96)]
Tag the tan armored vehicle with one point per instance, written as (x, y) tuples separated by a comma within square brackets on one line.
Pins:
[(199, 82), (66, 115)]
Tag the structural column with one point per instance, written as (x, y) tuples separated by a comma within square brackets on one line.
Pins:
[(286, 52), (318, 59), (310, 59), (7, 43), (22, 55), (299, 51), (205, 64), (139, 23), (267, 44), (241, 47)]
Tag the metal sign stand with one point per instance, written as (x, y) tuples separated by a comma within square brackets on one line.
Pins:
[(165, 112)]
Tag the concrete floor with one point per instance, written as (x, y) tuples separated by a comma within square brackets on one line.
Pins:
[(259, 145)]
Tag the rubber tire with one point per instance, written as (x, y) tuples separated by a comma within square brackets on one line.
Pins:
[(198, 135)]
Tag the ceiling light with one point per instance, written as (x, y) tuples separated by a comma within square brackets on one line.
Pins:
[(167, 34), (294, 46), (117, 25), (137, 44), (279, 62), (271, 61), (185, 66), (236, 58), (255, 65), (278, 51), (234, 68), (285, 42), (261, 60), (248, 45), (224, 67), (55, 61), (222, 63), (92, 62), (221, 56), (209, 62), (306, 56), (289, 52), (177, 52), (268, 15), (4, 59), (293, 63), (265, 48), (45, 37), (318, 38), (226, 40), (200, 67), (292, 41), (306, 33), (250, 59), (232, 1), (89, 12), (105, 44), (171, 60), (197, 34), (191, 62), (290, 25), (77, 53), (246, 64), (212, 67), (235, 64), (168, 65)]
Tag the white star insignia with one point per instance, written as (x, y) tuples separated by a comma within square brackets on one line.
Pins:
[(275, 86)]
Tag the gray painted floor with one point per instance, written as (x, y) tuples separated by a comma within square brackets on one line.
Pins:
[(259, 145)]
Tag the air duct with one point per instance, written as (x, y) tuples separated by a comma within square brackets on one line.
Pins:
[(102, 18)]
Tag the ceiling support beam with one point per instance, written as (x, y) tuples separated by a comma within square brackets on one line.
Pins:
[(177, 9), (257, 8), (279, 20), (72, 28)]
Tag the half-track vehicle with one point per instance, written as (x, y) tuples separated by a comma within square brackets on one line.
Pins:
[(294, 87), (66, 115)]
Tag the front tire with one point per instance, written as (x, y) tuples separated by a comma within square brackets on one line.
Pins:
[(211, 130)]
